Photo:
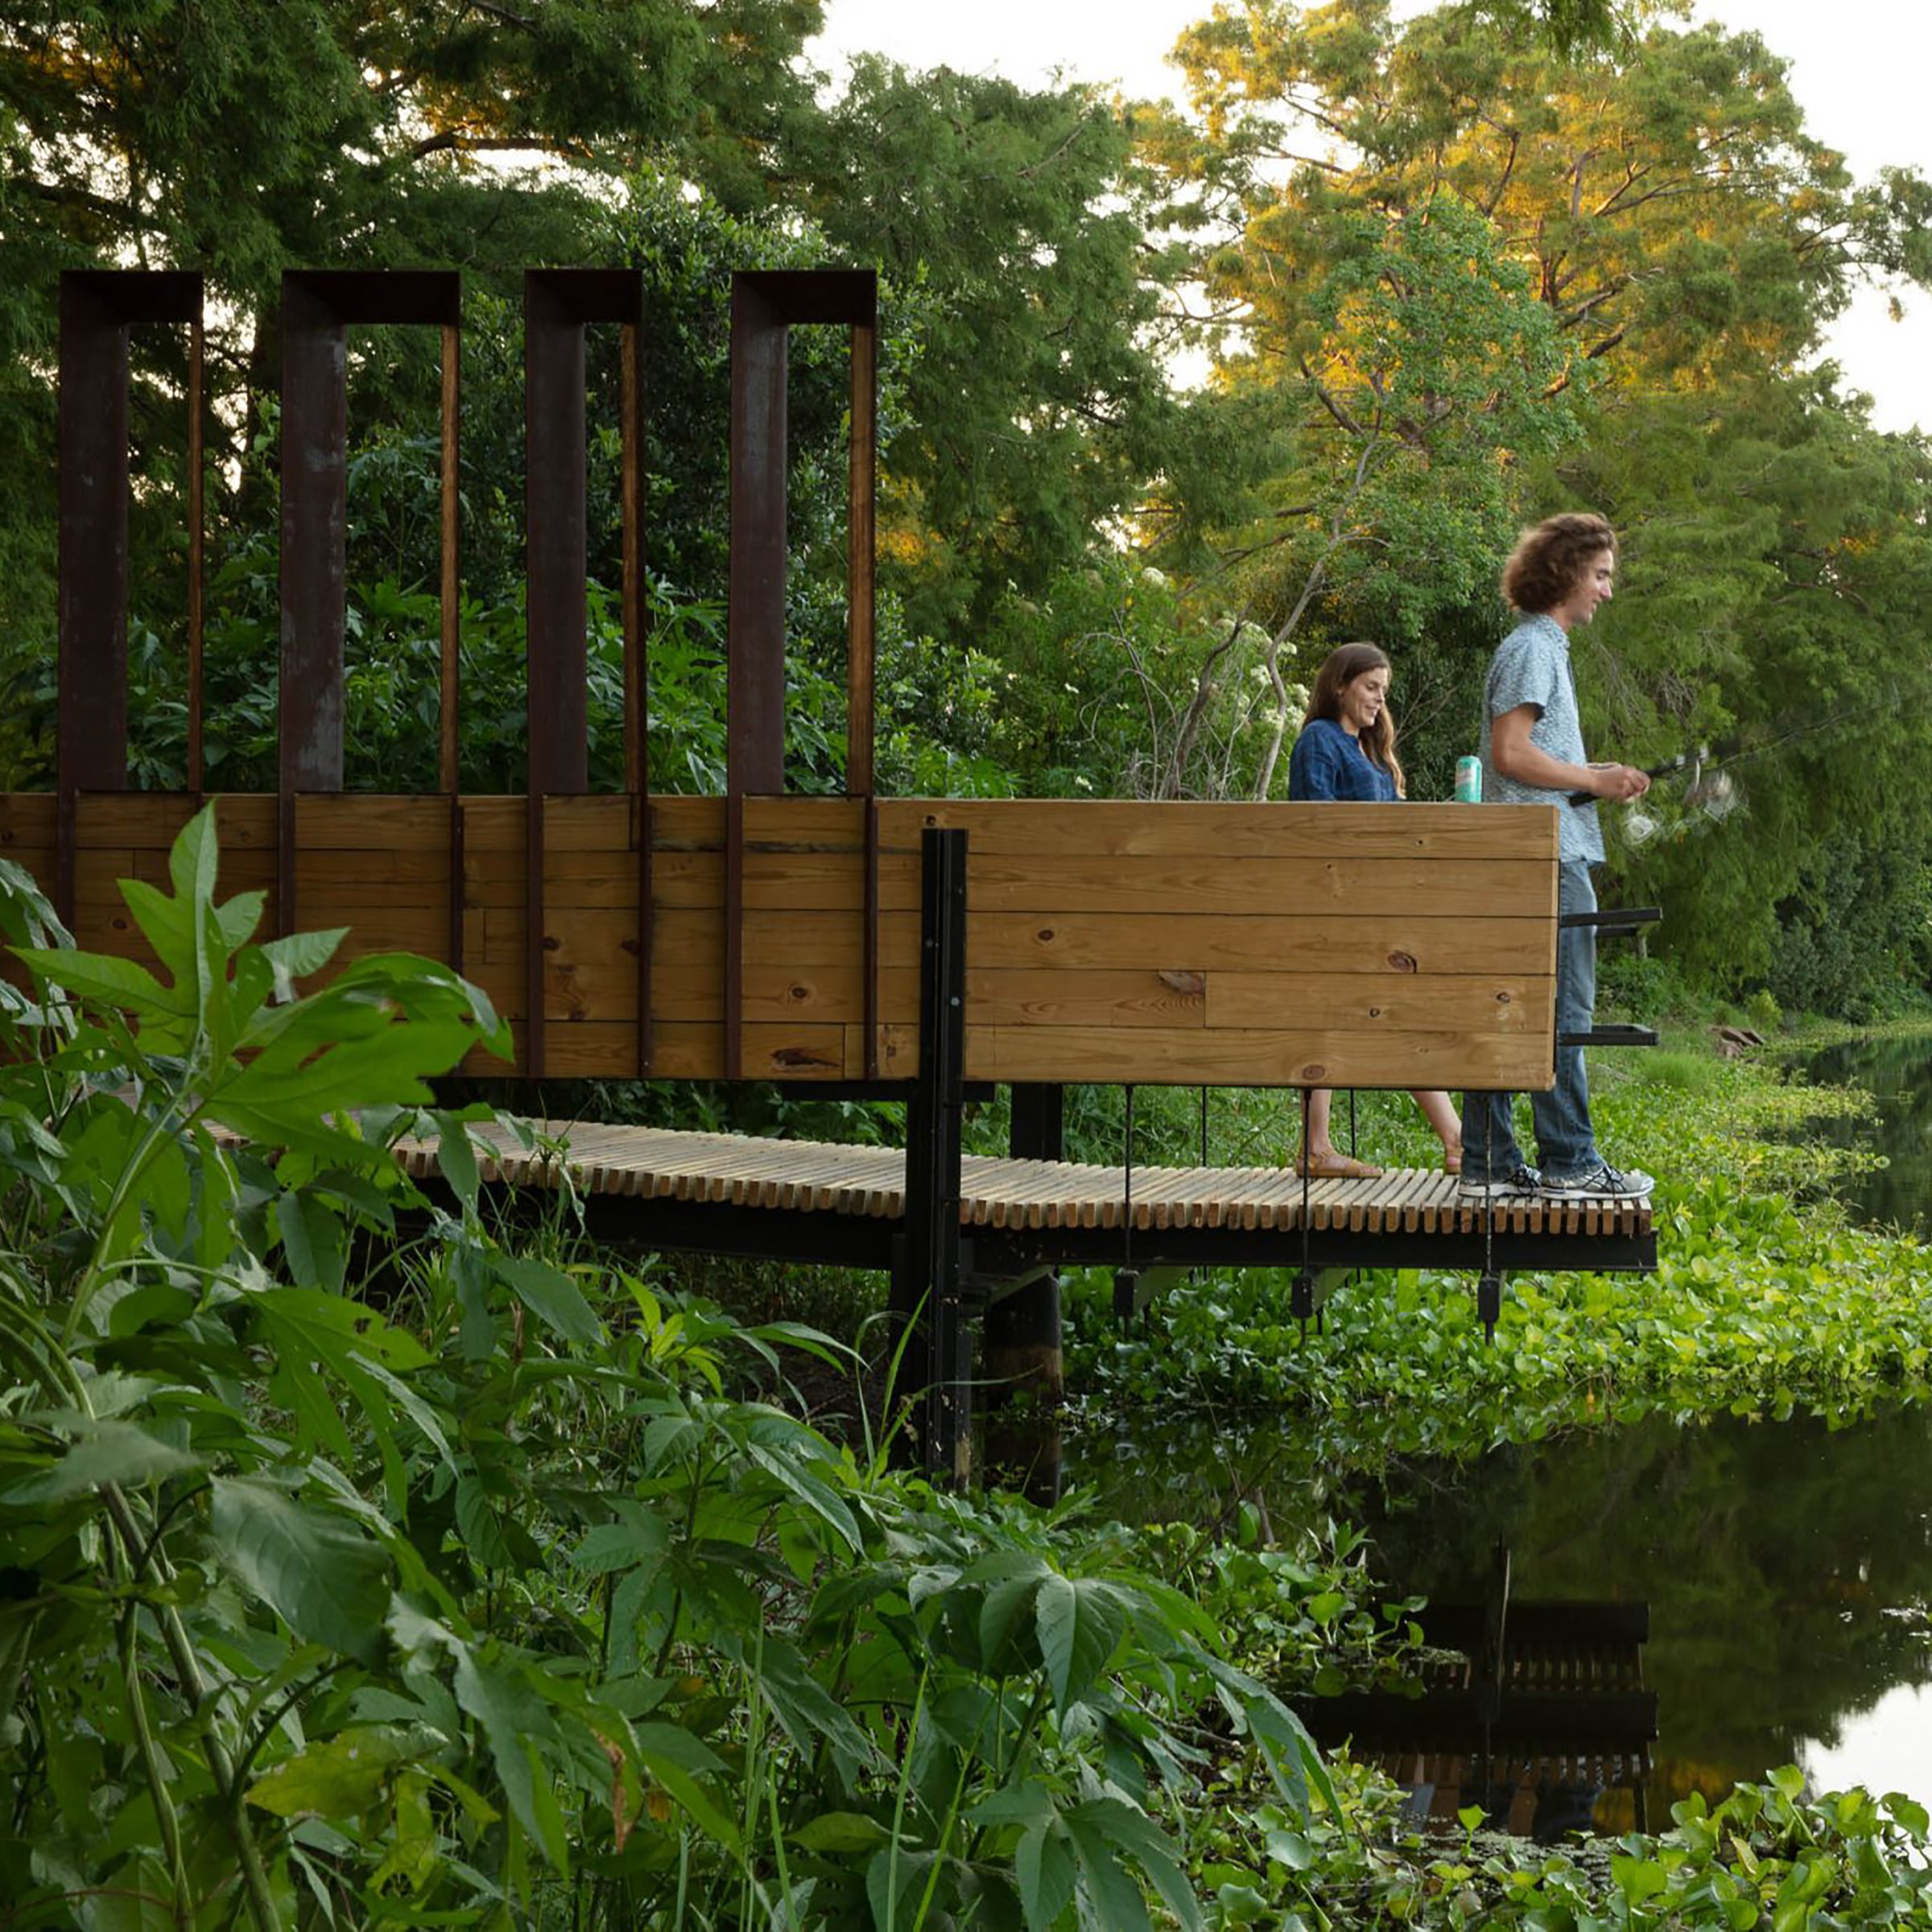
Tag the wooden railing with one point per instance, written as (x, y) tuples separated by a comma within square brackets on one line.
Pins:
[(1235, 944)]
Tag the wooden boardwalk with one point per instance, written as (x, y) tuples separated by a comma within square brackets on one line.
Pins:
[(1022, 1198)]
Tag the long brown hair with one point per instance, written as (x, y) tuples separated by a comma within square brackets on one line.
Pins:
[(1344, 665)]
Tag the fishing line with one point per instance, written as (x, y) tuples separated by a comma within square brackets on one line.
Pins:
[(1712, 793)]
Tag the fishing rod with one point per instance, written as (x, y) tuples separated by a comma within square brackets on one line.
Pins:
[(1710, 782)]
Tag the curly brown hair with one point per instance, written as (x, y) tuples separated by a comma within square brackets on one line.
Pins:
[(1548, 561)]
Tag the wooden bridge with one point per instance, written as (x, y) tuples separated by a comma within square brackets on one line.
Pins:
[(851, 944)]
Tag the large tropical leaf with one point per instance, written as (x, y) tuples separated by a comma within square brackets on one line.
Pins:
[(322, 1577)]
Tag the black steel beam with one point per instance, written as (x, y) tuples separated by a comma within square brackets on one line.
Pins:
[(935, 1359)]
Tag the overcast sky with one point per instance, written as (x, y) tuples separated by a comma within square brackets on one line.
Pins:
[(1858, 67)]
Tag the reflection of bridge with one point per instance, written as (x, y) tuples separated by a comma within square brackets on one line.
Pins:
[(859, 944), (1536, 1712)]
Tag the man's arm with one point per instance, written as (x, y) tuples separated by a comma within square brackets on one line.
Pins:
[(1515, 757)]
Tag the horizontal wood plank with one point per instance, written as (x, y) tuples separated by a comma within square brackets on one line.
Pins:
[(1280, 1057), (1130, 828)]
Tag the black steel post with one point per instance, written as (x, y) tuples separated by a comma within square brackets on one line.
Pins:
[(935, 1362), (1023, 1328)]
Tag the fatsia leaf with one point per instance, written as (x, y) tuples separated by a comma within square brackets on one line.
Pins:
[(1114, 1898), (299, 955), (634, 1536), (105, 982), (166, 924), (239, 917), (1045, 1867), (1135, 1836), (323, 1578), (332, 1328), (191, 862), (1080, 1621), (1005, 1610)]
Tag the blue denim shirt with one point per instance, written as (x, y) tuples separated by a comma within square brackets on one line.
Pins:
[(1328, 763), (1532, 666)]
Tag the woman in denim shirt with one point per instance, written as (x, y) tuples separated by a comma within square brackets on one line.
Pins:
[(1347, 750)]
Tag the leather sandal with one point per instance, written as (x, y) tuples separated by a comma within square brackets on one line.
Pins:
[(1334, 1167)]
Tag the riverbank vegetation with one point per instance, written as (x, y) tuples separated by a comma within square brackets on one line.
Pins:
[(360, 1569)]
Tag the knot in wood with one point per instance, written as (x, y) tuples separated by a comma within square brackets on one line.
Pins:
[(1402, 962)]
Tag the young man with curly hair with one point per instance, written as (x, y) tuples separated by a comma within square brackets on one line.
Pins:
[(1533, 754)]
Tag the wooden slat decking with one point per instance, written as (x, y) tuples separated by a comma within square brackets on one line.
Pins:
[(819, 1178)]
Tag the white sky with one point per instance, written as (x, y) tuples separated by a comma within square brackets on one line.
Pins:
[(1858, 67)]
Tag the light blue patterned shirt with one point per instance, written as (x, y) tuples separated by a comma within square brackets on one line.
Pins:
[(1532, 666)]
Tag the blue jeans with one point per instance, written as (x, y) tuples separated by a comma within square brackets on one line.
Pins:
[(1566, 1145)]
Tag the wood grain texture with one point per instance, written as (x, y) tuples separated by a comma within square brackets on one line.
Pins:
[(1107, 940)]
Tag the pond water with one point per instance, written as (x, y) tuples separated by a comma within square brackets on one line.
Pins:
[(1897, 1073), (1787, 1568)]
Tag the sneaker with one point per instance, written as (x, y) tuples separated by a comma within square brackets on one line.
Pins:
[(1600, 1182), (1521, 1180)]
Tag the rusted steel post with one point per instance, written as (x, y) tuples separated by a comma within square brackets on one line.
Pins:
[(317, 306), (92, 751), (558, 303), (755, 617), (764, 305), (554, 553), (315, 514), (196, 540), (97, 309), (861, 548), (449, 707)]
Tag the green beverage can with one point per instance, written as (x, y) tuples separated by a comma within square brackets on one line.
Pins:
[(1468, 781)]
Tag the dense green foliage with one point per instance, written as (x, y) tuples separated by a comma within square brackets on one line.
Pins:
[(363, 1562), (359, 1567), (1757, 1308)]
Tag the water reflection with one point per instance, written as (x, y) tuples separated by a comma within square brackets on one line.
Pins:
[(1788, 1570), (1534, 1713), (1898, 1074)]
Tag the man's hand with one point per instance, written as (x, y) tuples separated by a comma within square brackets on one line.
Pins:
[(1620, 783), (1515, 756)]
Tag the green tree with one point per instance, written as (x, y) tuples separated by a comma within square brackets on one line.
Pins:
[(1671, 240), (1036, 399)]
